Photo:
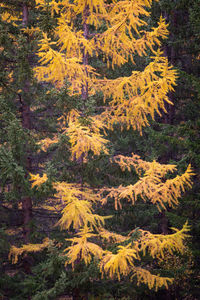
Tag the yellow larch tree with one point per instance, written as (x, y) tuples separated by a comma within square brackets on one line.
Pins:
[(117, 35)]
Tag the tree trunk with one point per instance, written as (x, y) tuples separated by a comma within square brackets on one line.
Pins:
[(163, 226), (26, 124), (85, 55), (170, 53)]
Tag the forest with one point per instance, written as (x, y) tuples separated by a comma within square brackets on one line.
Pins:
[(99, 149)]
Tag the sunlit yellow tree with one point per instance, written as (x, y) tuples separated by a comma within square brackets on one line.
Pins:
[(113, 31)]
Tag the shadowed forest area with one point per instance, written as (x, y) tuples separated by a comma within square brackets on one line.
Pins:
[(99, 149)]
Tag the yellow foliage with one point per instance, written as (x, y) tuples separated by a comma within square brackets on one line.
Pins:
[(73, 42), (156, 244), (16, 252), (120, 263), (118, 42), (81, 249), (81, 137), (152, 185), (52, 5), (97, 9), (78, 210), (134, 97), (153, 281), (31, 31), (85, 138), (37, 180), (139, 95), (111, 236), (170, 191), (56, 67), (45, 143), (131, 101), (141, 166), (8, 15)]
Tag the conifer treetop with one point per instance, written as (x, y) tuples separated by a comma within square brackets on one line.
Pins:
[(131, 99)]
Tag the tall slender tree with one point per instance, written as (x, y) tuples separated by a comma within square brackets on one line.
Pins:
[(115, 32)]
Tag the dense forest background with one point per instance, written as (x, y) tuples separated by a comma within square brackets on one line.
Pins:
[(29, 112)]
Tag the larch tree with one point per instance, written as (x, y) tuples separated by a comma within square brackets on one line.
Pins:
[(115, 32)]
